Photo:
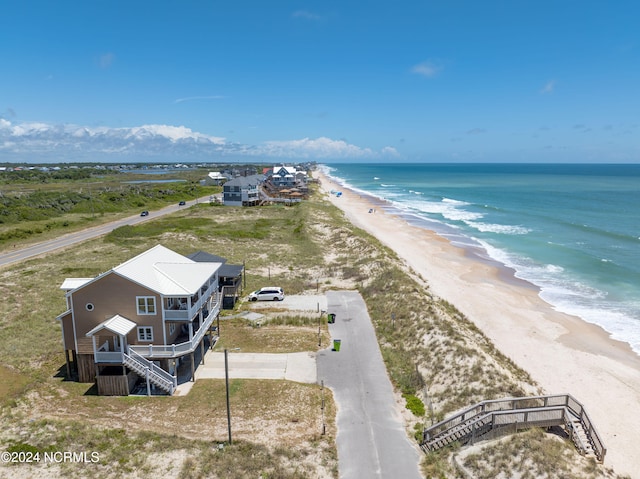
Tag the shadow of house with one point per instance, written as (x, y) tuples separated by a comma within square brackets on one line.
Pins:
[(229, 277)]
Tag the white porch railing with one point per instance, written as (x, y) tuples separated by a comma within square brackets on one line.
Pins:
[(188, 314), (115, 357), (151, 372), (174, 350), (144, 368)]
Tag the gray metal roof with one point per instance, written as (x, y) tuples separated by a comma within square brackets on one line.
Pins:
[(252, 180), (167, 272)]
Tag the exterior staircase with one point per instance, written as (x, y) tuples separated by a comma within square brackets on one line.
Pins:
[(149, 371), (489, 419)]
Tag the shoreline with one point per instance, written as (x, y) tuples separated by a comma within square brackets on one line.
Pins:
[(562, 353)]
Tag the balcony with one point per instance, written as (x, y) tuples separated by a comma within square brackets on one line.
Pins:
[(175, 350), (176, 313)]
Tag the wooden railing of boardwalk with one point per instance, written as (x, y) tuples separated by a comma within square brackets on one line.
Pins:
[(489, 419)]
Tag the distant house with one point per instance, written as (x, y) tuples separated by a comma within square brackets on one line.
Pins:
[(284, 176), (285, 184), (215, 178), (138, 322), (243, 191)]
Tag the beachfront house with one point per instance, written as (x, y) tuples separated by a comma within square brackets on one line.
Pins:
[(287, 176), (139, 322), (242, 191)]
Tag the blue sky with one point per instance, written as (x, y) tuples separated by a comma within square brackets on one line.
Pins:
[(440, 81)]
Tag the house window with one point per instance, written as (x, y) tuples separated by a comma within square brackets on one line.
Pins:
[(89, 306), (145, 333), (146, 304), (172, 328)]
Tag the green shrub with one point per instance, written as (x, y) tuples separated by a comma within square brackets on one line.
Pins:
[(414, 404)]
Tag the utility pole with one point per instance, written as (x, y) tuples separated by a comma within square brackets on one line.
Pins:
[(226, 376)]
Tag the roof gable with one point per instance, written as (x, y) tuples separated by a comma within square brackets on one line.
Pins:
[(116, 324), (284, 170)]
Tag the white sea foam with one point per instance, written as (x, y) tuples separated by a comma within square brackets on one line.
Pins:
[(455, 202), (574, 297), (495, 228), (450, 210), (564, 291)]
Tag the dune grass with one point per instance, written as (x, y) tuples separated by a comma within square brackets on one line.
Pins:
[(432, 352)]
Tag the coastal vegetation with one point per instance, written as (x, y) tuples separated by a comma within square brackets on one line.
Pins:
[(36, 205), (437, 359)]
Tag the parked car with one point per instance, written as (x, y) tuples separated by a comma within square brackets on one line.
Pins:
[(269, 293), (182, 203), (144, 213)]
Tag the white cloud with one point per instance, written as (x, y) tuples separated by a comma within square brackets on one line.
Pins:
[(548, 87), (314, 148), (173, 133), (390, 151), (427, 69), (38, 141)]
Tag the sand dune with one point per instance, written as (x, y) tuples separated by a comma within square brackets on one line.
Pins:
[(562, 353)]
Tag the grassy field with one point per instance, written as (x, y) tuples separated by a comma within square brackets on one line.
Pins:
[(434, 356), (36, 206)]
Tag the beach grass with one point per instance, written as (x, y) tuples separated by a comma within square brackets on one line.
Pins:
[(279, 335), (432, 352), (529, 454)]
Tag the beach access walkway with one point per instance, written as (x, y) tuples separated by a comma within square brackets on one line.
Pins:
[(371, 438)]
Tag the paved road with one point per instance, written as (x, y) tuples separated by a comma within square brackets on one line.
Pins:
[(19, 253), (371, 438)]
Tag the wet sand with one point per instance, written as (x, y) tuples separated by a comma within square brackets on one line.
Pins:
[(562, 353)]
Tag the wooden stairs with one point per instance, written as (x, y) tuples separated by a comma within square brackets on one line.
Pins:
[(489, 419), (148, 370)]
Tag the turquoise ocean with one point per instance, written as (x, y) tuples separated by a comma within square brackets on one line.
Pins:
[(572, 230)]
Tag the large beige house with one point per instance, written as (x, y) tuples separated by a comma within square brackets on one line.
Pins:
[(136, 323)]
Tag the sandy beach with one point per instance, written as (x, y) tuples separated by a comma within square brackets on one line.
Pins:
[(562, 353)]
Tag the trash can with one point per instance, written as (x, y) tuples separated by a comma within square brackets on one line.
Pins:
[(336, 345), (332, 318)]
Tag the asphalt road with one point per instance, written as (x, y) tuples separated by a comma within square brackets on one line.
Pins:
[(371, 438), (19, 253)]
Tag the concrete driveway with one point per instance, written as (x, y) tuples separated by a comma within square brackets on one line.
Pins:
[(299, 367), (309, 303)]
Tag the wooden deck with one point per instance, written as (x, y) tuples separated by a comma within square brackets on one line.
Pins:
[(489, 419)]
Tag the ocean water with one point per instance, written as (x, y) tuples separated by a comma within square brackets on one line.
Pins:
[(571, 230)]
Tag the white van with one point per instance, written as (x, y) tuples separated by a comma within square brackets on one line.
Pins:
[(269, 293)]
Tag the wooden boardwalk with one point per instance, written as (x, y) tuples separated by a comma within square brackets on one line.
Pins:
[(489, 419)]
